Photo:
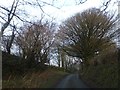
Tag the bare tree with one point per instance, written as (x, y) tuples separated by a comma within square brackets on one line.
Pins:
[(10, 15), (7, 41), (36, 41), (59, 56), (87, 33)]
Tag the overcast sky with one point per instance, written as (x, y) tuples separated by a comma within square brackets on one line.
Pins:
[(67, 8)]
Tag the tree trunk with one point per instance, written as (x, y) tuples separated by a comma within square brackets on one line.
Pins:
[(10, 41), (59, 57)]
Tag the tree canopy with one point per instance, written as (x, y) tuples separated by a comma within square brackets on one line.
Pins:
[(87, 34)]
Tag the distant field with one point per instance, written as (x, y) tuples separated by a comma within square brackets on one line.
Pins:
[(46, 79)]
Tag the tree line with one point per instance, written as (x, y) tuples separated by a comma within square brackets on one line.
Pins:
[(78, 39)]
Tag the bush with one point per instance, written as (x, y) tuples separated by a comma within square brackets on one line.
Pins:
[(103, 75), (12, 64)]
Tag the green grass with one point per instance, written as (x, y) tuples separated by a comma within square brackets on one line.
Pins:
[(46, 79)]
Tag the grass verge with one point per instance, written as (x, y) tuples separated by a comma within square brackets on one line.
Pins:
[(46, 79), (101, 76)]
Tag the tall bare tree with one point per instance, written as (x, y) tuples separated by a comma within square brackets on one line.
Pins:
[(7, 40), (87, 33)]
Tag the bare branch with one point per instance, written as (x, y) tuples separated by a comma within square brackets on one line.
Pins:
[(78, 2), (10, 16), (106, 5)]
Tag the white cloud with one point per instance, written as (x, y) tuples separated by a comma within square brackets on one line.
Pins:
[(68, 8)]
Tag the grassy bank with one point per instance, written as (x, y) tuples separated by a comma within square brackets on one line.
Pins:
[(46, 79), (16, 74), (101, 76), (104, 74)]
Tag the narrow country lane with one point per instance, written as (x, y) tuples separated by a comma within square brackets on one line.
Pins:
[(71, 81)]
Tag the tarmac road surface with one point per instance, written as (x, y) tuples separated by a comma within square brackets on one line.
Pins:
[(71, 81)]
